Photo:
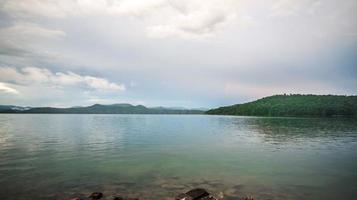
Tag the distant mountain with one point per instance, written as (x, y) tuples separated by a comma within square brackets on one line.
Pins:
[(294, 105), (101, 109), (11, 107)]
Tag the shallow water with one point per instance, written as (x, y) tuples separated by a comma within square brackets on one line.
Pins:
[(158, 156)]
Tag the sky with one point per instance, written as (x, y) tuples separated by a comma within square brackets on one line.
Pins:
[(176, 53)]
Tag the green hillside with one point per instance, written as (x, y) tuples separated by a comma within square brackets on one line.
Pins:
[(294, 105)]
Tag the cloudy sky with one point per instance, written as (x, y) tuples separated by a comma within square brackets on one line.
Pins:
[(190, 53)]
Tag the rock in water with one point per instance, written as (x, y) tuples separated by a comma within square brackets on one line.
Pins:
[(195, 194), (96, 195)]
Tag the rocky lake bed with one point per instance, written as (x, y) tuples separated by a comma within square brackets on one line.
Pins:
[(171, 189), (193, 194)]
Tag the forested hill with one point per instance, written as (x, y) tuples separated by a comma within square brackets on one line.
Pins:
[(294, 105)]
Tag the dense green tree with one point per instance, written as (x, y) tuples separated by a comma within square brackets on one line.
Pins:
[(294, 105)]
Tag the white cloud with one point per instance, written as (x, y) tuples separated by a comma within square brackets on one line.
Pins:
[(20, 39), (65, 8), (286, 7), (194, 18), (179, 18), (7, 89), (26, 31), (45, 77), (165, 18), (34, 7), (102, 84)]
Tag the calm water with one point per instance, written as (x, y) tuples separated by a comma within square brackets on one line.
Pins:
[(158, 156)]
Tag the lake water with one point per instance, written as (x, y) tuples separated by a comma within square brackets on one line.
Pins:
[(159, 156)]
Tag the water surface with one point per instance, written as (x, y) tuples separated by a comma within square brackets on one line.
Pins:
[(158, 156)]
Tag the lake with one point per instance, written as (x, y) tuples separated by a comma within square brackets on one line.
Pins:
[(158, 156)]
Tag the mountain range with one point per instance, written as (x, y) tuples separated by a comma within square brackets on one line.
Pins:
[(100, 109)]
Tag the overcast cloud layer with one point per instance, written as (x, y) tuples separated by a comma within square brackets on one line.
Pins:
[(192, 53)]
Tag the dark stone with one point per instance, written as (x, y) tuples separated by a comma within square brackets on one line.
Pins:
[(118, 198), (96, 195), (197, 193)]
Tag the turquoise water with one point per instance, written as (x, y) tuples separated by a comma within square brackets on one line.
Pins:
[(158, 156)]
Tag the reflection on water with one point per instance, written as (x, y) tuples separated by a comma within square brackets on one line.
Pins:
[(158, 156)]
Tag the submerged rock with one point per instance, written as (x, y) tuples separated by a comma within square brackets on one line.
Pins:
[(195, 194), (96, 195)]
